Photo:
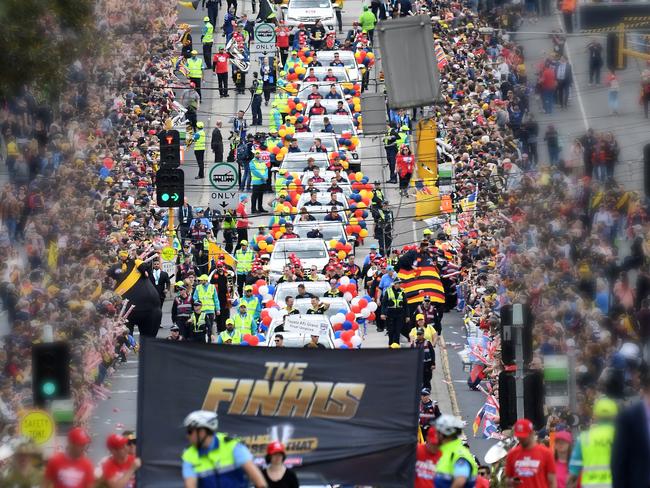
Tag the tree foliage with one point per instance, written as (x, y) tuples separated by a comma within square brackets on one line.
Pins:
[(39, 39)]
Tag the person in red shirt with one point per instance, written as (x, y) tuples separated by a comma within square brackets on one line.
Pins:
[(118, 470), (529, 464), (242, 219), (405, 165), (71, 469), (220, 63), (426, 458), (547, 86), (282, 34)]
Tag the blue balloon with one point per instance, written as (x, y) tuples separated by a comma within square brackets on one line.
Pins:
[(353, 281), (342, 310), (347, 325), (291, 70), (341, 140), (282, 221), (363, 224), (344, 346), (337, 334), (271, 287), (342, 240), (244, 343), (368, 298), (365, 214), (364, 180), (261, 337), (263, 328)]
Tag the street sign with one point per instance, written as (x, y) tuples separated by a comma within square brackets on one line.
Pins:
[(37, 425), (224, 178), (263, 39)]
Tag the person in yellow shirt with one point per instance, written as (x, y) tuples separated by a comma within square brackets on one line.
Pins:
[(430, 333)]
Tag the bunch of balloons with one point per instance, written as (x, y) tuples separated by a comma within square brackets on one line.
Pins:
[(348, 287), (252, 340), (341, 156), (364, 306), (345, 328), (355, 104), (348, 141), (365, 57), (341, 247), (353, 89), (264, 244)]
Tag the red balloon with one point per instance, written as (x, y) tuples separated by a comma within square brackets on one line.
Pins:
[(260, 283), (347, 335), (267, 320), (255, 289), (355, 308), (363, 303), (355, 326), (349, 344), (271, 304), (350, 316), (339, 246), (247, 337), (372, 316), (253, 340), (338, 326)]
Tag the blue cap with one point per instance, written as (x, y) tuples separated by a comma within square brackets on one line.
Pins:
[(242, 197)]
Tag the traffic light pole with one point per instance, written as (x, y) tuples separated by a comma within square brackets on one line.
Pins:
[(170, 227), (518, 327)]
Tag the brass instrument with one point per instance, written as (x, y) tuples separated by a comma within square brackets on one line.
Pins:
[(237, 57)]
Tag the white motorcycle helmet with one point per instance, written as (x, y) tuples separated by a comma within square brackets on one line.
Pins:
[(449, 425), (202, 419)]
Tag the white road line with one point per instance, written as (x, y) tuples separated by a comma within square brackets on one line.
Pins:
[(576, 85), (415, 232)]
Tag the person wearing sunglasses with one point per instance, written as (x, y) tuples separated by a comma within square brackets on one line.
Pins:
[(213, 458), (279, 340)]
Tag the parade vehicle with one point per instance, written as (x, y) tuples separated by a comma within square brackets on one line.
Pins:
[(293, 339), (320, 72), (330, 230), (327, 176), (331, 143), (340, 124), (323, 88), (330, 104), (346, 57), (323, 197), (290, 289), (297, 162), (307, 12), (310, 252)]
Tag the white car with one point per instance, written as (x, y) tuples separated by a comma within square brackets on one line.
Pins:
[(309, 11), (340, 124), (290, 289), (306, 141), (320, 72), (324, 87), (310, 252), (293, 339), (330, 230), (297, 162), (331, 105), (346, 57)]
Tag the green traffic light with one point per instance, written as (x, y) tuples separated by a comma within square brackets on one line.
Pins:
[(164, 197), (48, 388)]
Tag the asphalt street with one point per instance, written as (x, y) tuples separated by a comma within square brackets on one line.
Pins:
[(118, 412)]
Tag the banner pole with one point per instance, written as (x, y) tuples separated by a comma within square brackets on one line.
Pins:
[(170, 227)]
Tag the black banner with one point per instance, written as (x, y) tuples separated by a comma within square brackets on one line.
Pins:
[(344, 416), (605, 17)]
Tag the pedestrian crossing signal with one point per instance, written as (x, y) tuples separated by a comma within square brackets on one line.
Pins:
[(170, 149), (170, 187)]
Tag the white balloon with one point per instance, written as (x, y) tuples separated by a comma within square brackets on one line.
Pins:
[(266, 297), (273, 313), (345, 280), (338, 318), (338, 342), (347, 295), (365, 313), (355, 300), (356, 340), (264, 290), (372, 306)]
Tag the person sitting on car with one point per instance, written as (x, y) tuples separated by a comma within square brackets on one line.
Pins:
[(327, 125), (293, 146), (310, 76), (318, 146), (334, 201), (289, 233), (333, 94), (314, 93), (317, 177), (313, 200), (334, 186), (314, 61), (340, 109), (329, 76), (311, 164), (336, 61), (315, 232), (333, 292), (289, 301), (333, 216), (303, 293), (317, 307), (314, 344), (317, 108), (305, 216)]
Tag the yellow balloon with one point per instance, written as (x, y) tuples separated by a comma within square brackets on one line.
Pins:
[(356, 100), (333, 243), (355, 140), (341, 254), (270, 247), (357, 107), (353, 220), (363, 233), (282, 132), (262, 244), (359, 175)]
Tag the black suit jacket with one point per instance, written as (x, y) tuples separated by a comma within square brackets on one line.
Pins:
[(190, 216), (631, 449), (163, 282)]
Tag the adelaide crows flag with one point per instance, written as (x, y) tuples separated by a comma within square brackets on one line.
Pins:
[(419, 275)]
